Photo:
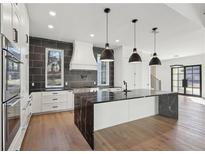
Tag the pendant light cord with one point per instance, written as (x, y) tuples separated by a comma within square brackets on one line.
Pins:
[(134, 34), (154, 41), (106, 27)]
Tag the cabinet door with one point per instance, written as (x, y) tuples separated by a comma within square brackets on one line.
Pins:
[(24, 24), (6, 20), (24, 46), (16, 25), (36, 102), (70, 100)]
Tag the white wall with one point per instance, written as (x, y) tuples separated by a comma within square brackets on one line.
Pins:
[(164, 71), (136, 75)]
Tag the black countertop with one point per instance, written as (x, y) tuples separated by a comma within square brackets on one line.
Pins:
[(48, 89), (106, 96), (66, 88)]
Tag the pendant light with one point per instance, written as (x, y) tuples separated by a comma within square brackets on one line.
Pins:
[(135, 57), (155, 60), (107, 53)]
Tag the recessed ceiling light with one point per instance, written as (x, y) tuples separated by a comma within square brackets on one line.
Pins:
[(52, 13), (50, 26), (92, 35), (117, 41)]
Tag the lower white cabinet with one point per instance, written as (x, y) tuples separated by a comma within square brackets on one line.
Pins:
[(123, 111), (25, 118), (52, 101), (36, 102)]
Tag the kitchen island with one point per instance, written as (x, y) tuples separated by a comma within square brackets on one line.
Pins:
[(102, 109)]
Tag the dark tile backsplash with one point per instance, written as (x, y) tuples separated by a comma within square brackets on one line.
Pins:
[(74, 78)]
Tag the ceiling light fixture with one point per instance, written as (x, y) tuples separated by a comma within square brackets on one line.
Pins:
[(117, 41), (92, 35), (52, 13), (50, 26), (135, 57), (107, 53), (155, 60)]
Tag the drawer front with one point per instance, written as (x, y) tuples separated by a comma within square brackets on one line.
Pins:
[(54, 106), (54, 93), (54, 98), (115, 89)]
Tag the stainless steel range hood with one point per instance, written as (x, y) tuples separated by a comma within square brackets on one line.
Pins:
[(83, 57)]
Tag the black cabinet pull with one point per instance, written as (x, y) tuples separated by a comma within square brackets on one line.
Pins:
[(55, 99), (26, 38), (54, 106), (55, 93), (15, 35)]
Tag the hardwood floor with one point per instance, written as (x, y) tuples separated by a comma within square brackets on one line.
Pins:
[(157, 132), (57, 132), (52, 132)]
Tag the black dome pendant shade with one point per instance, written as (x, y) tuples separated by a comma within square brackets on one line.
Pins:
[(107, 53), (155, 60), (135, 57)]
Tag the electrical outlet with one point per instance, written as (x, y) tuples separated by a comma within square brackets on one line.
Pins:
[(33, 84)]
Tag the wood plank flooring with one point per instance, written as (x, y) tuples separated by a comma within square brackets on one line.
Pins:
[(57, 132), (53, 132)]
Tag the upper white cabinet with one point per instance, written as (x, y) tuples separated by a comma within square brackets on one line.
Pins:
[(24, 24), (15, 23), (6, 20)]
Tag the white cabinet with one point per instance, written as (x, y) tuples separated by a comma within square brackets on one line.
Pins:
[(115, 89), (15, 26), (6, 20), (26, 112), (16, 23), (70, 104), (123, 111), (11, 21), (36, 102), (52, 101)]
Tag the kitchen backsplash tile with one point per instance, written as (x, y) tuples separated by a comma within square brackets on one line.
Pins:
[(74, 78)]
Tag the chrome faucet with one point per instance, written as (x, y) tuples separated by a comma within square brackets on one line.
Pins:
[(125, 83)]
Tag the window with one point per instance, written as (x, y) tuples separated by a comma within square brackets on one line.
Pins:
[(102, 72), (54, 71)]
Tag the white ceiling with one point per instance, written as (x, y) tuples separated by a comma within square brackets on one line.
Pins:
[(178, 34)]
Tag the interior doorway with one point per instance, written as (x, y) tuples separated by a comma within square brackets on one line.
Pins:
[(186, 80)]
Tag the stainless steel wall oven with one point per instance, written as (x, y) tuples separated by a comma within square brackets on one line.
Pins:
[(10, 91)]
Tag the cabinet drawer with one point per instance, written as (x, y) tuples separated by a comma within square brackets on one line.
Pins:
[(54, 106), (54, 98), (54, 93)]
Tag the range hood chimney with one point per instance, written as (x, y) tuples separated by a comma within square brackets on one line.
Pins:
[(83, 57)]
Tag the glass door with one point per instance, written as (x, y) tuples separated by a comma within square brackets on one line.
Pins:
[(187, 80), (177, 79), (193, 80)]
